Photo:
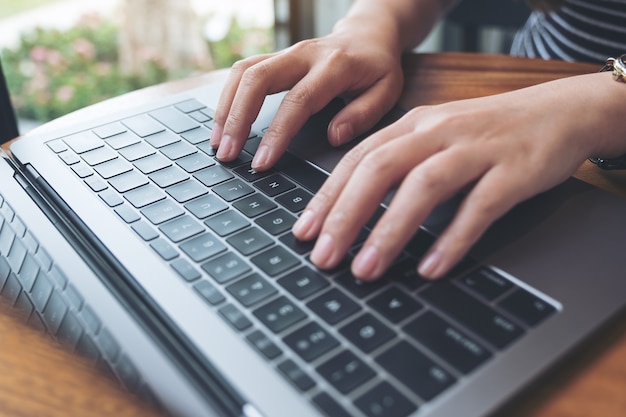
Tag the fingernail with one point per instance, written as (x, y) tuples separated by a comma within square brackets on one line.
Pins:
[(365, 263), (224, 149), (260, 157), (216, 134), (323, 251), (429, 265), (303, 225), (343, 134)]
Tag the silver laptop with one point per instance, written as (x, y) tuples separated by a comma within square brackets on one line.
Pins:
[(129, 242)]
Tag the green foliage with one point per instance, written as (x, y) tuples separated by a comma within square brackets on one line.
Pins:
[(240, 43), (53, 72)]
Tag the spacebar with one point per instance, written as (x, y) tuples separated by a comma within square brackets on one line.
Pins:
[(478, 317), (300, 171)]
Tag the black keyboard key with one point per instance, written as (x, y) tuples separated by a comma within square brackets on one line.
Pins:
[(186, 190), (279, 314), (213, 175), (111, 129), (83, 142), (127, 214), (199, 134), (251, 290), (303, 282), (276, 222), (128, 181), (275, 260), (295, 200), (235, 317), (195, 162), (111, 198), (227, 223), (70, 331), (162, 139), (122, 140), (405, 272), (247, 173), (143, 125), (298, 246), (142, 196), (309, 177), (311, 341), (329, 406), (333, 306), (203, 247), (174, 119), (226, 267), (181, 228), (359, 288), (164, 249), (162, 211), (254, 205), (420, 243), (209, 293), (395, 305), (448, 342), (486, 282), (206, 206), (296, 375), (144, 230), (54, 313), (189, 106), (178, 150), (367, 333), (527, 307), (385, 401), (478, 317), (168, 176), (233, 190), (415, 370), (242, 158), (187, 271), (250, 241), (274, 185), (263, 344), (346, 371)]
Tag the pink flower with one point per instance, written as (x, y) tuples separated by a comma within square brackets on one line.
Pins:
[(65, 93), (84, 48), (39, 53)]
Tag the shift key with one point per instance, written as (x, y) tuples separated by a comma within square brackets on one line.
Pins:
[(467, 310)]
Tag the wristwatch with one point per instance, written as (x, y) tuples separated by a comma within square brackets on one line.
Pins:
[(618, 67)]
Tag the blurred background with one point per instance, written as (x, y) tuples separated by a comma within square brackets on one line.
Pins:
[(60, 55)]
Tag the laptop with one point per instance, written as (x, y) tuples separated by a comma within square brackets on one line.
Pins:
[(125, 239)]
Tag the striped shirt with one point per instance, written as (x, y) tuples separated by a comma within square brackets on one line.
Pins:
[(580, 30)]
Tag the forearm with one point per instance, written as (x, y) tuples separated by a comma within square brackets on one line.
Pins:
[(405, 23)]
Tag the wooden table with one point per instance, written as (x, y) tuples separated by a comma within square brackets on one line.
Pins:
[(37, 378)]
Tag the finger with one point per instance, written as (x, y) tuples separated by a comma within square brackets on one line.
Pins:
[(310, 222), (427, 185), (277, 73), (495, 194), (228, 95), (310, 95), (362, 113), (377, 173)]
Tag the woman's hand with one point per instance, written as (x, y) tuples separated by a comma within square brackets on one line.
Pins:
[(500, 149), (355, 62)]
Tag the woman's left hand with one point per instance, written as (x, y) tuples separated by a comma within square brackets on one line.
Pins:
[(502, 149)]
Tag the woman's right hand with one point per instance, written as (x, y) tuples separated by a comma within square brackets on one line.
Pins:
[(357, 61)]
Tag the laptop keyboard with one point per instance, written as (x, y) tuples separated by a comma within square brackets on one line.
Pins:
[(367, 349), (32, 283)]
